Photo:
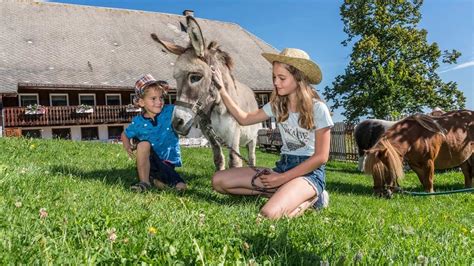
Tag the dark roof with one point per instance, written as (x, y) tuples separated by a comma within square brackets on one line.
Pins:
[(50, 43)]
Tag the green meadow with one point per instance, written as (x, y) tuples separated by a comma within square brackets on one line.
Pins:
[(65, 202)]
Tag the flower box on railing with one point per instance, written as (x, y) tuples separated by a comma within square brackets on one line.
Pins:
[(35, 109), (84, 109), (132, 109)]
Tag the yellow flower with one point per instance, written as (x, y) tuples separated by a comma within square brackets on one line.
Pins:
[(152, 230), (464, 230), (32, 146)]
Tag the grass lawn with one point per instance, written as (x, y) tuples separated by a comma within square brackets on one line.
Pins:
[(64, 202)]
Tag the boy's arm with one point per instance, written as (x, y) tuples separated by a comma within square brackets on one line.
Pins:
[(127, 146)]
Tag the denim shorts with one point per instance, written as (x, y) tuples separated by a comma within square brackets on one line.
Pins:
[(316, 178)]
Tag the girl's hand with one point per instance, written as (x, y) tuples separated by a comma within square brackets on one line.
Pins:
[(217, 78), (272, 180)]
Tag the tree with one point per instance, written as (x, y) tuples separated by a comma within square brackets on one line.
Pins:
[(392, 67)]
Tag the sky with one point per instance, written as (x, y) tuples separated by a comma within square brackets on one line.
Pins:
[(316, 27)]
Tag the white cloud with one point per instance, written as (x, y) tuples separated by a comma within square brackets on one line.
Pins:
[(461, 66)]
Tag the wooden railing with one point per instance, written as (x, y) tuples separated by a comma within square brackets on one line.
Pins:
[(67, 115)]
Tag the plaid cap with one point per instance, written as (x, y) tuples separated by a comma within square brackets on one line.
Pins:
[(143, 82), (147, 80)]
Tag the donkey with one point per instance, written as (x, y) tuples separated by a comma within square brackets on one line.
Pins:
[(198, 99)]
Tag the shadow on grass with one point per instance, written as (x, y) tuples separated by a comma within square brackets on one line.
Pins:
[(198, 190), (348, 188), (281, 249)]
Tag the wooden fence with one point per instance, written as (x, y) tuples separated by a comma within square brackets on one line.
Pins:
[(343, 146)]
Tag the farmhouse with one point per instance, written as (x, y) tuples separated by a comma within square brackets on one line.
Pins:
[(67, 71)]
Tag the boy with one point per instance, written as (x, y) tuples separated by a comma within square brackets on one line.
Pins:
[(157, 151)]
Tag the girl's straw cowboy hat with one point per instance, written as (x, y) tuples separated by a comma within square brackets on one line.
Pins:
[(299, 59)]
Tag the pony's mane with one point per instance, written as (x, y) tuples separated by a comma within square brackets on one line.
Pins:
[(373, 165), (428, 123)]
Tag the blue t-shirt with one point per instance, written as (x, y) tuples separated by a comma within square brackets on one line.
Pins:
[(160, 134)]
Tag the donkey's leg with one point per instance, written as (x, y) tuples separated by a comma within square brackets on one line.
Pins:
[(219, 161), (235, 161), (251, 151)]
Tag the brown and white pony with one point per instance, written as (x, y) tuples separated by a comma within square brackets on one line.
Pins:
[(199, 101), (426, 143)]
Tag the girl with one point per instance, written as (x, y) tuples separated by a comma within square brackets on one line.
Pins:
[(304, 122)]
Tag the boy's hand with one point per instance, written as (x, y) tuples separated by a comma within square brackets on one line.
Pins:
[(128, 148)]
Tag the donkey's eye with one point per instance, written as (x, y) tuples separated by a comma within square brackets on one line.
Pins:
[(193, 78)]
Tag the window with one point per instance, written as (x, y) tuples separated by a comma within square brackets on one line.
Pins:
[(31, 133), (113, 99), (28, 99), (87, 99), (89, 133), (115, 132), (58, 99), (61, 133), (132, 96)]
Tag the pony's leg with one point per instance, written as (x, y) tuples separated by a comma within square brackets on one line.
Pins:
[(468, 171), (361, 163), (235, 161), (251, 151), (425, 174)]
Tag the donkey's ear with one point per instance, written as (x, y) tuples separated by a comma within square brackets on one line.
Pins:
[(195, 35), (171, 47)]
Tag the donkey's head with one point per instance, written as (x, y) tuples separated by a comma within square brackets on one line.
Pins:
[(196, 93)]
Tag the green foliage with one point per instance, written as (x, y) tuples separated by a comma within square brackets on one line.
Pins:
[(392, 66), (66, 202)]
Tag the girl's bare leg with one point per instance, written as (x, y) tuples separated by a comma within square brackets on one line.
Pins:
[(290, 200), (236, 181)]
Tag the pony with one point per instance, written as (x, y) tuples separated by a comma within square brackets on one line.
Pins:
[(367, 133), (199, 102), (426, 143)]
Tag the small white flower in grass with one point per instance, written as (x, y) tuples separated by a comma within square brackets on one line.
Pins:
[(272, 228), (246, 246), (18, 204), (324, 263), (112, 236), (422, 260), (202, 218), (22, 171), (43, 213), (259, 218), (358, 257)]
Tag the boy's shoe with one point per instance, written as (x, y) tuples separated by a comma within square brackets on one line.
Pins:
[(140, 187), (322, 201)]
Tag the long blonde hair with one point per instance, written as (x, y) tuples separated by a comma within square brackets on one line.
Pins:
[(305, 95)]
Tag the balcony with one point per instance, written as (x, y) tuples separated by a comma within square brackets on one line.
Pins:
[(67, 115)]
